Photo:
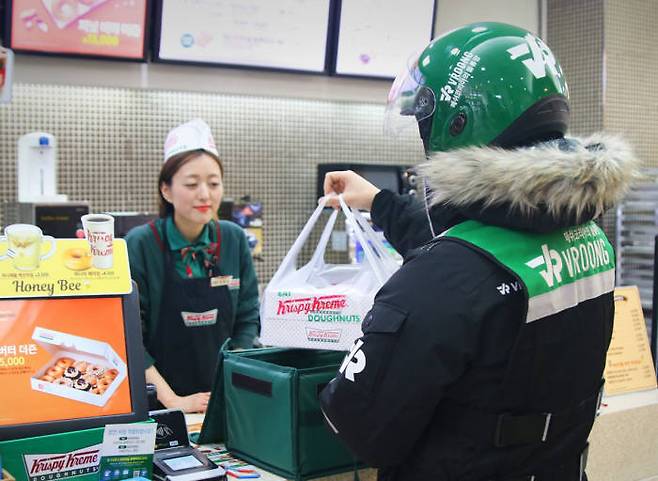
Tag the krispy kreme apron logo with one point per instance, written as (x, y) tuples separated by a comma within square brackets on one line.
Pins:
[(196, 319), (311, 304), (44, 467)]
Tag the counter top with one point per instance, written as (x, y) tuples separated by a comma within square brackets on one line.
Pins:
[(624, 402), (218, 452), (623, 443), (624, 439)]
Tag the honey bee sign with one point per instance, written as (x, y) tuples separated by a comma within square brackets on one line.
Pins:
[(629, 365), (37, 265)]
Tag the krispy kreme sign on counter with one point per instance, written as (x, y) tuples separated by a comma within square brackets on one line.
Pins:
[(62, 465)]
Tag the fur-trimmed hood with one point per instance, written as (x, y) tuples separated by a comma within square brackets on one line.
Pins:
[(539, 188)]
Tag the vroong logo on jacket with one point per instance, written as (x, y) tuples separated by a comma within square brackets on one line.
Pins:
[(558, 270), (578, 259)]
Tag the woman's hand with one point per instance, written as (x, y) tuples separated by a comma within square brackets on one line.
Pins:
[(357, 192), (194, 403)]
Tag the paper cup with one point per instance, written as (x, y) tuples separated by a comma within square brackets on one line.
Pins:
[(99, 232)]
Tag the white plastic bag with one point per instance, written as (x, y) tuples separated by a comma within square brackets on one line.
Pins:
[(322, 305)]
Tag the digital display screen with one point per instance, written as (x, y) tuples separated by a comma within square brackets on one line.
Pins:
[(107, 28), (377, 37), (285, 34), (185, 462), (62, 359)]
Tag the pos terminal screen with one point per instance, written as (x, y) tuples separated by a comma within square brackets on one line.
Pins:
[(184, 462), (62, 359)]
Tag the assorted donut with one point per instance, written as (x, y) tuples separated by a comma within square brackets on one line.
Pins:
[(63, 381), (81, 365), (64, 362), (80, 375), (55, 372)]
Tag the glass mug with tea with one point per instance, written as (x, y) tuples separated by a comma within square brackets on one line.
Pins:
[(24, 245), (99, 232)]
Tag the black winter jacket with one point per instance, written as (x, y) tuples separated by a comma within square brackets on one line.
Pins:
[(440, 335)]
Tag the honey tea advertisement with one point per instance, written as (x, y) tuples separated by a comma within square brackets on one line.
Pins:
[(34, 265)]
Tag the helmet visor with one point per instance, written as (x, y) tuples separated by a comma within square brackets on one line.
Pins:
[(409, 100)]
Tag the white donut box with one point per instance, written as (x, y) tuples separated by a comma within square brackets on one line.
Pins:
[(60, 344)]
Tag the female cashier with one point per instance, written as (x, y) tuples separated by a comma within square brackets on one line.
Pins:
[(197, 285)]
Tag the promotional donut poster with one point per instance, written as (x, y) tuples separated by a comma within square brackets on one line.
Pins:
[(111, 28), (57, 364), (37, 265)]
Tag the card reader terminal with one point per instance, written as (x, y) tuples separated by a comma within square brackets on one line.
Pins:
[(185, 464), (174, 459)]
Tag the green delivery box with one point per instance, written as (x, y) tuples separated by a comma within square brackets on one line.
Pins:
[(271, 413), (74, 455)]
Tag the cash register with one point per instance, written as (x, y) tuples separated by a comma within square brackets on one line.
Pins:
[(174, 459)]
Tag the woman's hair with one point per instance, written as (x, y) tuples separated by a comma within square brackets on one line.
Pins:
[(169, 169)]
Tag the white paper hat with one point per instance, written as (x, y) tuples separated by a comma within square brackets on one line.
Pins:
[(192, 135)]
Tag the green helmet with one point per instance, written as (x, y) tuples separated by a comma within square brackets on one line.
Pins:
[(482, 84)]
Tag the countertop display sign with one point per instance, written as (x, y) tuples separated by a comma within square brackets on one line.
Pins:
[(286, 34), (629, 366), (33, 265), (99, 28), (70, 341), (128, 450), (377, 37), (57, 363)]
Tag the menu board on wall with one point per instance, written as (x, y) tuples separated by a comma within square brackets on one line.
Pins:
[(377, 37), (629, 365), (285, 34), (98, 28)]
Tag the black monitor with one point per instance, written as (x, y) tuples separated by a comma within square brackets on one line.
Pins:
[(124, 222), (69, 364), (388, 177)]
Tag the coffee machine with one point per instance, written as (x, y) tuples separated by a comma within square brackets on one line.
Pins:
[(38, 201), (37, 168)]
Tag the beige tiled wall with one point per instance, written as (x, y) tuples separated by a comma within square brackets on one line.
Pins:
[(110, 147), (608, 50), (631, 57), (575, 34)]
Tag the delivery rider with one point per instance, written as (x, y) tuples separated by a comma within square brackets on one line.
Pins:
[(482, 357)]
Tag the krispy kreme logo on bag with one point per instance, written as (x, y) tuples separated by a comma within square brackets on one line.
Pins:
[(44, 467), (321, 335), (305, 305)]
